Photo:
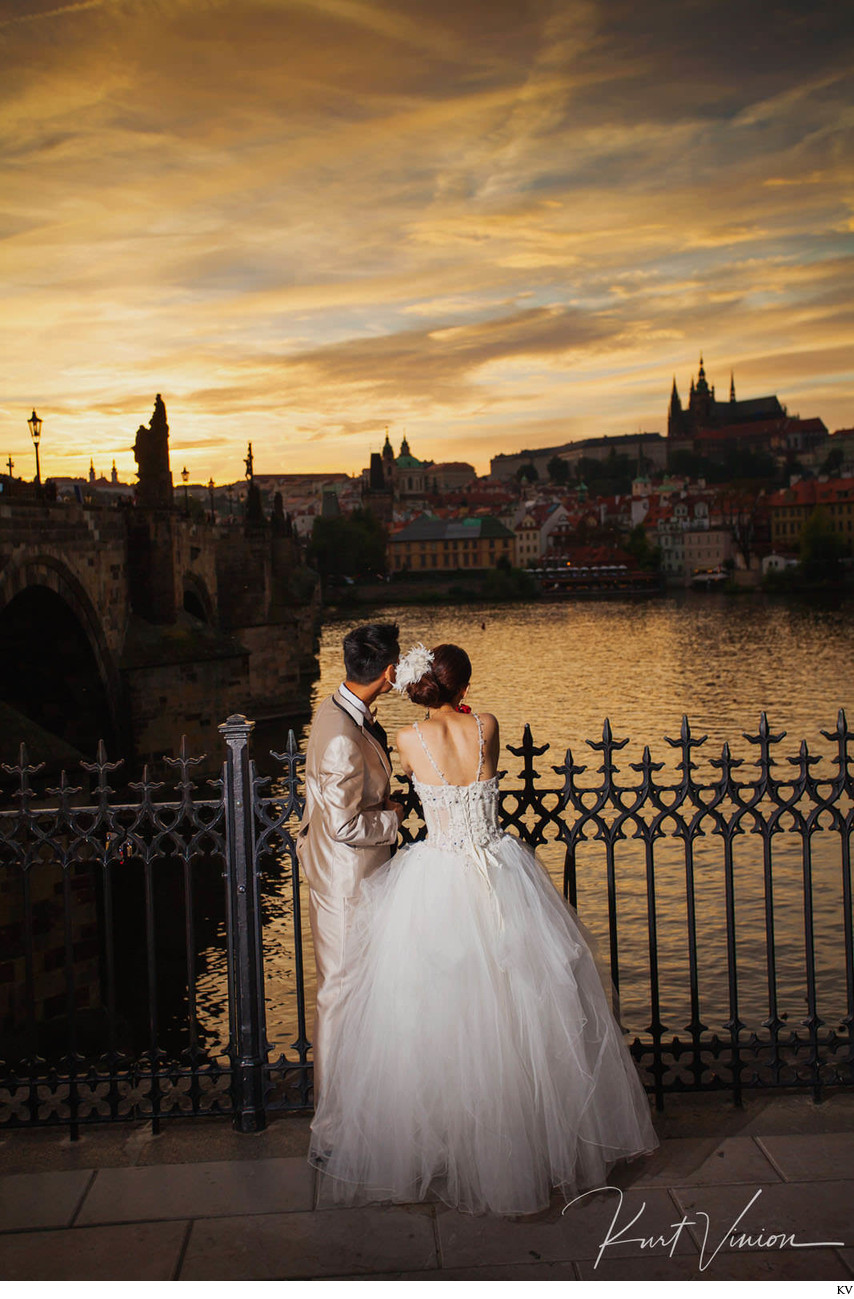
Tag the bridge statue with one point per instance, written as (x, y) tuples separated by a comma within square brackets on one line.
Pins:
[(151, 452)]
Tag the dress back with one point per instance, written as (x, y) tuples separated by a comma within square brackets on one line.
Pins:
[(459, 817)]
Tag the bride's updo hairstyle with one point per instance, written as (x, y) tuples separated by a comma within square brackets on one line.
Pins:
[(445, 679)]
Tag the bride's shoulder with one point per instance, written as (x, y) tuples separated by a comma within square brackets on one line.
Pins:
[(491, 736), (405, 734)]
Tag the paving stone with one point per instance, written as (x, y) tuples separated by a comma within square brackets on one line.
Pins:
[(145, 1251), (216, 1139), (51, 1149), (789, 1265), (508, 1272), (789, 1113), (819, 1212), (713, 1114), (575, 1233), (222, 1188), (700, 1162), (818, 1157), (123, 1145), (654, 1267), (290, 1246), (41, 1199)]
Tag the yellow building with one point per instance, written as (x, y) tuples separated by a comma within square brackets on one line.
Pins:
[(441, 545), (790, 509)]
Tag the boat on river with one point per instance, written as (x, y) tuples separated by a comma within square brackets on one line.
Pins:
[(580, 581)]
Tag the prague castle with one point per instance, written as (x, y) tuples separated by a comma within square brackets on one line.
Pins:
[(705, 427), (710, 427)]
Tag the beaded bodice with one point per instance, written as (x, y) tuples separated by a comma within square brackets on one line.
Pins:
[(460, 817)]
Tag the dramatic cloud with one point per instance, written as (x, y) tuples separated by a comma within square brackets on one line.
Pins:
[(496, 223)]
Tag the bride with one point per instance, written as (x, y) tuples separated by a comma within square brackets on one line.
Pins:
[(478, 1060)]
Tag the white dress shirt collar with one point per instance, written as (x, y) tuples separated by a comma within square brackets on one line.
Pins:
[(356, 702)]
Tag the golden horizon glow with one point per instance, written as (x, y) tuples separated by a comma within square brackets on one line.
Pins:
[(494, 225)]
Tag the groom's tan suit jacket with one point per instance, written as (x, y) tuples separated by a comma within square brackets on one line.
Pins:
[(346, 832)]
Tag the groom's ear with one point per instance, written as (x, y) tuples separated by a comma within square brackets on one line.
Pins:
[(389, 674)]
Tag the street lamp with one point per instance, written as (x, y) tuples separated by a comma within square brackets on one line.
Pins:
[(185, 478), (211, 486), (35, 426)]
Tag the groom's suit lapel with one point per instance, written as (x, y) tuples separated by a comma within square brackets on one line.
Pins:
[(357, 722)]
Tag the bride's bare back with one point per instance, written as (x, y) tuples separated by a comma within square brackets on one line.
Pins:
[(452, 740)]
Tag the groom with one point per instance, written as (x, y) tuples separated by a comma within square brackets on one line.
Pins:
[(350, 823)]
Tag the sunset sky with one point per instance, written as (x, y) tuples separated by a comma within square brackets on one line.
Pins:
[(494, 224)]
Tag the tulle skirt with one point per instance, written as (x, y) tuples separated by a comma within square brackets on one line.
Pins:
[(478, 1060)]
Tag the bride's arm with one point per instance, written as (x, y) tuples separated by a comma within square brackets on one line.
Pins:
[(491, 741), (401, 742)]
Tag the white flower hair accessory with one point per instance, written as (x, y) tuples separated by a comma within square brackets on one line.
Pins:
[(412, 666)]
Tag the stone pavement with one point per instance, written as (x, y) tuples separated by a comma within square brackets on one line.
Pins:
[(201, 1202)]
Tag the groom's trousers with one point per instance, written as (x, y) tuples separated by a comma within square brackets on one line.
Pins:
[(329, 918)]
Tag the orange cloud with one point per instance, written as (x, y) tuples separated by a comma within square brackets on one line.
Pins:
[(249, 206)]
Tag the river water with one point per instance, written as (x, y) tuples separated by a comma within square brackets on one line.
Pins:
[(563, 668)]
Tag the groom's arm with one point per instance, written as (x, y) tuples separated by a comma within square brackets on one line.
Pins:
[(341, 787)]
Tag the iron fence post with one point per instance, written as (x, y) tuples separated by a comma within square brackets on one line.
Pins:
[(248, 1044)]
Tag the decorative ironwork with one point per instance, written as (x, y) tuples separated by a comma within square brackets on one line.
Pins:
[(769, 1054), (84, 1057), (100, 887)]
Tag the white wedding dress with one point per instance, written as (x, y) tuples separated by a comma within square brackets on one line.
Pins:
[(478, 1059)]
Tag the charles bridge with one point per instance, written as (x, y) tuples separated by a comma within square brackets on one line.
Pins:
[(139, 625)]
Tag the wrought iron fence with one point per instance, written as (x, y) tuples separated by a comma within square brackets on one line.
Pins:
[(111, 904)]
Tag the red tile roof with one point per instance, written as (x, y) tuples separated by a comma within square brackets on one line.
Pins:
[(810, 491)]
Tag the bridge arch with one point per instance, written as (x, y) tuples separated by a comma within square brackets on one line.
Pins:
[(47, 616), (197, 599)]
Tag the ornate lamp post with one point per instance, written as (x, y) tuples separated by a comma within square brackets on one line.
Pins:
[(211, 486), (185, 478), (35, 427)]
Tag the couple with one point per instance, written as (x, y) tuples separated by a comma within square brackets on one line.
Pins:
[(464, 1046)]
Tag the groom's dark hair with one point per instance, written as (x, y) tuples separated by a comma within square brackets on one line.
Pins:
[(368, 651)]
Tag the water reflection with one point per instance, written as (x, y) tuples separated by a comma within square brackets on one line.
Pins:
[(563, 668)]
